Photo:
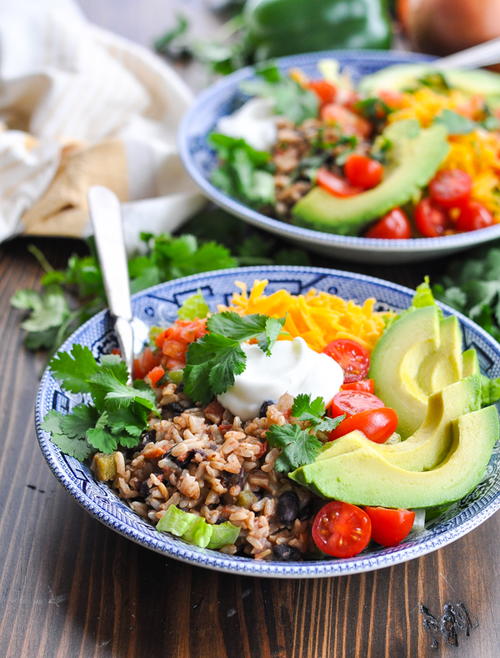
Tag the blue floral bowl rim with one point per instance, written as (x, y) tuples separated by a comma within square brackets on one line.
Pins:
[(231, 82), (247, 566)]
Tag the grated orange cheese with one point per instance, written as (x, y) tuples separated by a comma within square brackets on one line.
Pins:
[(317, 317)]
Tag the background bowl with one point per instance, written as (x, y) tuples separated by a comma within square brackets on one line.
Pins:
[(158, 306), (225, 96)]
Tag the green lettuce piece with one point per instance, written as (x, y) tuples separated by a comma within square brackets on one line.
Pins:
[(193, 307)]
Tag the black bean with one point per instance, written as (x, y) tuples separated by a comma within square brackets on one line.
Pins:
[(144, 489), (182, 463), (148, 436), (264, 406), (286, 553), (172, 408), (231, 479), (288, 507), (306, 512)]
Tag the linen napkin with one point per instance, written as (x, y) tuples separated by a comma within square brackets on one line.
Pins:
[(81, 106)]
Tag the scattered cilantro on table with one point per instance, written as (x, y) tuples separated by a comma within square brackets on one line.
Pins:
[(214, 360), (115, 418), (301, 446)]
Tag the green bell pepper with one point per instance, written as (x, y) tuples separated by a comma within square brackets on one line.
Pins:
[(285, 27)]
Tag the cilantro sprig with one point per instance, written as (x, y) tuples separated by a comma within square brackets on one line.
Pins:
[(215, 359), (117, 415), (301, 446)]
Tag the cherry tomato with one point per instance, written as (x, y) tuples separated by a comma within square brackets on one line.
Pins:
[(341, 529), (376, 424), (362, 171), (367, 385), (450, 188), (335, 184), (393, 226), (351, 356), (349, 122), (352, 402), (390, 526), (430, 220), (325, 91), (473, 216)]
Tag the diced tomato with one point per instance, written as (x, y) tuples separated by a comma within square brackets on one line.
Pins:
[(349, 122), (325, 91), (341, 529), (175, 340), (450, 188), (174, 348), (367, 385), (155, 375), (353, 358), (334, 184), (392, 98), (145, 362), (395, 225), (390, 526), (352, 402), (376, 424), (430, 219), (116, 350), (190, 330), (473, 216), (362, 171)]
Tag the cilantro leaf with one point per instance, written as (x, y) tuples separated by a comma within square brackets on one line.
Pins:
[(76, 423), (48, 310), (74, 369), (313, 411), (102, 440), (78, 448), (298, 447), (455, 123), (272, 330)]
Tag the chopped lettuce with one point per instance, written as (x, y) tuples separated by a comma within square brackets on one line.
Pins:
[(193, 307)]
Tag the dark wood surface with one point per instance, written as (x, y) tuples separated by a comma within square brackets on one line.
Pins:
[(71, 587)]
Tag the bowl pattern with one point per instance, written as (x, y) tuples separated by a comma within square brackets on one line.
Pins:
[(159, 305), (225, 96)]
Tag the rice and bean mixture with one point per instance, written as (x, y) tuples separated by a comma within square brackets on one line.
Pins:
[(206, 461)]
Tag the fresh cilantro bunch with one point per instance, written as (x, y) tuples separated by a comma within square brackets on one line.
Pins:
[(301, 446), (117, 415), (214, 360)]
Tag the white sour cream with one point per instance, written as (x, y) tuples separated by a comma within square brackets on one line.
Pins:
[(293, 367), (254, 122)]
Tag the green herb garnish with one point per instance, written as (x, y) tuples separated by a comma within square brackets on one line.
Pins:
[(214, 360), (301, 446), (117, 415)]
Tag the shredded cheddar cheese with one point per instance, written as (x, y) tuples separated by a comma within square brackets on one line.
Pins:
[(477, 153), (317, 317)]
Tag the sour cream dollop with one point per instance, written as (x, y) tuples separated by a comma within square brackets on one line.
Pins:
[(293, 367), (254, 122)]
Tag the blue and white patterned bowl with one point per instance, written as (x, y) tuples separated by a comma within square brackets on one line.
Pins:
[(225, 96), (158, 306)]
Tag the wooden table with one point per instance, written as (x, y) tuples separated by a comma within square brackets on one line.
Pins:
[(70, 587)]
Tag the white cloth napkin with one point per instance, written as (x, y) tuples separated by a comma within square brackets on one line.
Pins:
[(81, 106)]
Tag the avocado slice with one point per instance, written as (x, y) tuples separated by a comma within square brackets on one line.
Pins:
[(444, 366), (429, 445), (363, 477), (414, 157), (396, 361), (470, 362), (404, 76)]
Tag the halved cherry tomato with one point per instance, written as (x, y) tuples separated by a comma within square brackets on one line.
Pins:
[(393, 226), (341, 529), (352, 402), (325, 91), (155, 375), (376, 424), (367, 385), (362, 171), (430, 220), (349, 122), (335, 184), (353, 358), (473, 216), (450, 188), (390, 526)]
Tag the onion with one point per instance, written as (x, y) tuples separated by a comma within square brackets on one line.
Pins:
[(442, 27)]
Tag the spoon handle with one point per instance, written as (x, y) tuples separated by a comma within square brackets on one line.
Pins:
[(481, 55), (108, 232)]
